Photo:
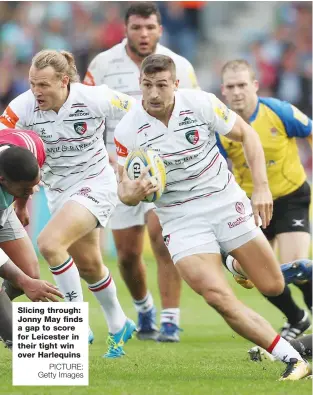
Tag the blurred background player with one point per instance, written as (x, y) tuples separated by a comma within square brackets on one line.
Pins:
[(118, 68), (278, 124), (80, 185)]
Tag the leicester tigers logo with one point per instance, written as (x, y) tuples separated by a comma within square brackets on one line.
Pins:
[(192, 136), (80, 127)]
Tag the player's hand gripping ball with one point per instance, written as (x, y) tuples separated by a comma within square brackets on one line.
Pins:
[(137, 160)]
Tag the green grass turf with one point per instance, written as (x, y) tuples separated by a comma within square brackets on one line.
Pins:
[(210, 359)]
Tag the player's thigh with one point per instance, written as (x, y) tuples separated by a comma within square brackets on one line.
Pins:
[(153, 225), (155, 235), (69, 224), (259, 262), (127, 225), (86, 251), (273, 244), (205, 274), (16, 243), (293, 245), (79, 210)]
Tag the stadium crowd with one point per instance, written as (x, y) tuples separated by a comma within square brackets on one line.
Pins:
[(282, 55)]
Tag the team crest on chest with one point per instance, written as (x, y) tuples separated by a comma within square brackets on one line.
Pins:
[(80, 127), (192, 136)]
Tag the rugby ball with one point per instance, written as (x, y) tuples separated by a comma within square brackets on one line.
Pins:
[(137, 160)]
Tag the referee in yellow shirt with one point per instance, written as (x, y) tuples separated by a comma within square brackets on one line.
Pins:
[(278, 124)]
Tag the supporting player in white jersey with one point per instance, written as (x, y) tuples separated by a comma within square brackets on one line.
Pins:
[(202, 208), (80, 184), (119, 68)]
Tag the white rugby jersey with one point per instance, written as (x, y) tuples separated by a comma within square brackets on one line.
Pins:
[(116, 69), (73, 138), (194, 166)]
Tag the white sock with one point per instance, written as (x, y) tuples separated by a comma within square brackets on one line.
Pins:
[(230, 266), (66, 277), (283, 350), (144, 305), (105, 291), (170, 316)]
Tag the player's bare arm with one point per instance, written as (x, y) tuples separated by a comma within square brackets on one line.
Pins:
[(132, 192), (20, 207), (262, 201), (35, 290)]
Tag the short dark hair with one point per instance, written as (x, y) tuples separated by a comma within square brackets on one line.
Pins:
[(156, 63), (143, 9), (18, 164)]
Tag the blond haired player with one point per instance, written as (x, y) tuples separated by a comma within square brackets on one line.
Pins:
[(203, 209), (119, 69), (80, 184)]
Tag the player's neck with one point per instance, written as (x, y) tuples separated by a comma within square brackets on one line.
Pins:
[(165, 116), (134, 57), (249, 110)]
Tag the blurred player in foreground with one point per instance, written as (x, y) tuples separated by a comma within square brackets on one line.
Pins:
[(278, 124), (80, 184), (21, 156), (202, 208), (36, 290), (119, 68)]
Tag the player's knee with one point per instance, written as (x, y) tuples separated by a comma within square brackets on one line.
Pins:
[(129, 258), (47, 247), (274, 287), (89, 272), (220, 300)]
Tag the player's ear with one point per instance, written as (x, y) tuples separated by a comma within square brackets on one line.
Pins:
[(176, 83), (65, 81), (256, 85), (161, 30)]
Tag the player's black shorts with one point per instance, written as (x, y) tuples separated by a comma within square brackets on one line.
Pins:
[(291, 213)]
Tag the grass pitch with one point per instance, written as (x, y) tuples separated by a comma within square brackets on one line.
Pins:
[(210, 359)]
